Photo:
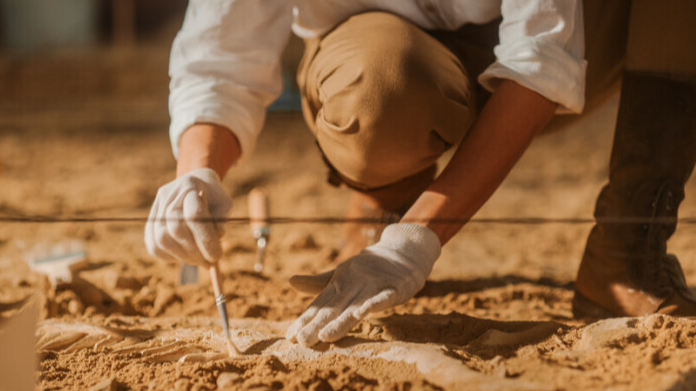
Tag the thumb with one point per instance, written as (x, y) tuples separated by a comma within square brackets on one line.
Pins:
[(204, 231), (311, 284)]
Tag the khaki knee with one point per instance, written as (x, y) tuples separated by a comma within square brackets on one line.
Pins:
[(388, 99)]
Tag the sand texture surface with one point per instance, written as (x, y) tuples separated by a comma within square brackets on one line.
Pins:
[(494, 315)]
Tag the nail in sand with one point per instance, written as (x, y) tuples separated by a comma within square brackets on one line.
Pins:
[(221, 301)]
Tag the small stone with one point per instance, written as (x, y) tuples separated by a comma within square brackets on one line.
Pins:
[(228, 380), (65, 296), (75, 307), (182, 384), (109, 384)]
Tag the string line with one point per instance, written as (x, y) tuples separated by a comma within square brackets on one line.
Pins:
[(41, 219)]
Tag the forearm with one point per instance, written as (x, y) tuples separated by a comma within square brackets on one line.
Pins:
[(503, 131), (207, 146)]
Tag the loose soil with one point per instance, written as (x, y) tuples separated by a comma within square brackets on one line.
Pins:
[(495, 313)]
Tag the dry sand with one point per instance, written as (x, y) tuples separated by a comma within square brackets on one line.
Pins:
[(495, 313)]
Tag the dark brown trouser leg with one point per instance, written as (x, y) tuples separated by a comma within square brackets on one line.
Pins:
[(625, 270)]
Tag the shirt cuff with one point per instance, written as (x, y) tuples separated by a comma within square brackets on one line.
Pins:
[(245, 133), (543, 67)]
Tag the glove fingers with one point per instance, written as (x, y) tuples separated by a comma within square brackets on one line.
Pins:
[(382, 301), (310, 313), (165, 242), (340, 326), (155, 239), (311, 284), (179, 231), (309, 335), (154, 249), (168, 234), (165, 246), (364, 303), (205, 233)]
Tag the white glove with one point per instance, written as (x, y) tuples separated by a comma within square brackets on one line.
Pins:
[(383, 275), (172, 233)]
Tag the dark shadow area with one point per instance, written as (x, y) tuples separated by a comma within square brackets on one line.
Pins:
[(103, 303), (444, 287), (260, 346), (130, 332), (482, 337), (687, 382), (14, 305), (94, 266), (248, 273)]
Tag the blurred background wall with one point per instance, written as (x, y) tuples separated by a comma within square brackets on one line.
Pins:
[(53, 50), (30, 25)]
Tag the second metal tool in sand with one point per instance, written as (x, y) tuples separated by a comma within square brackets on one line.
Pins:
[(258, 212)]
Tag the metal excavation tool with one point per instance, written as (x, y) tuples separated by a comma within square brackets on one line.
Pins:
[(258, 212), (220, 302)]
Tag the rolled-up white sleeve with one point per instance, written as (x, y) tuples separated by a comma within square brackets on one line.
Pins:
[(225, 66), (542, 48)]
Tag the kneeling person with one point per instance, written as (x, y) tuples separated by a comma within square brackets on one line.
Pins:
[(386, 90)]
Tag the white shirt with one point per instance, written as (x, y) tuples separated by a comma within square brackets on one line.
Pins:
[(225, 61)]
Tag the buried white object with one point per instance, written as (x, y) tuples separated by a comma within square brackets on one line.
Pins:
[(57, 261)]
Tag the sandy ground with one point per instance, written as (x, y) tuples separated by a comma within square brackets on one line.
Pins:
[(495, 313)]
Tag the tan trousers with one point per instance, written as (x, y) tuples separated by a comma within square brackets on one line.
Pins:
[(384, 99)]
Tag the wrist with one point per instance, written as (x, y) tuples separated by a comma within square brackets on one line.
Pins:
[(417, 246), (207, 146), (208, 175)]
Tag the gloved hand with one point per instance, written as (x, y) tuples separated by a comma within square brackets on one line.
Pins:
[(383, 275), (171, 232)]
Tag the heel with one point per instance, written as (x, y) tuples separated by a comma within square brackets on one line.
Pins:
[(584, 308)]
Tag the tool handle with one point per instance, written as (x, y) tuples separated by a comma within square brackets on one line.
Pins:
[(215, 279), (258, 210)]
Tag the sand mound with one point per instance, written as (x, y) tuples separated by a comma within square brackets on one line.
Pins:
[(466, 353)]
